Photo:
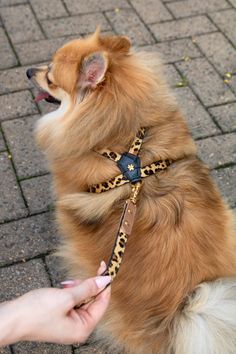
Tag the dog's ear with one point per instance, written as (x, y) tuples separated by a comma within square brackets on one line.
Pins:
[(93, 69), (117, 44)]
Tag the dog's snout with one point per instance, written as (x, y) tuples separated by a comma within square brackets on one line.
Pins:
[(30, 72)]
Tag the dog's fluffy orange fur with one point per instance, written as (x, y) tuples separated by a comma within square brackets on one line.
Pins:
[(183, 233)]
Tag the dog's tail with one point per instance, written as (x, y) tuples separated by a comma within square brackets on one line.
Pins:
[(207, 323)]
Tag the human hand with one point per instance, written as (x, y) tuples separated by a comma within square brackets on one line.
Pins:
[(48, 315)]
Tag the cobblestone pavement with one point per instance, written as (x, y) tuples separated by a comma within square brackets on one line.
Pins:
[(197, 40)]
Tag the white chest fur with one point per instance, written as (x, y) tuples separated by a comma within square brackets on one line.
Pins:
[(50, 125)]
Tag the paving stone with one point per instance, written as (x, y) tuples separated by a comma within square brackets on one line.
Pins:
[(8, 58), (28, 159), (226, 21), (195, 7), (17, 104), (225, 116), (173, 51), (219, 51), (205, 81), (2, 143), (225, 179), (21, 278), (151, 10), (26, 238), (5, 350), (45, 9), (21, 24), (199, 121), (76, 7), (55, 268), (171, 74), (41, 348), (186, 27), (38, 194), (218, 150), (11, 202), (74, 25), (13, 80), (126, 22)]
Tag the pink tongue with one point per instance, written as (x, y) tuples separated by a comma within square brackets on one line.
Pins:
[(41, 96)]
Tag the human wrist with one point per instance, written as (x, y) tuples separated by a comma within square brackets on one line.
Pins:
[(12, 328)]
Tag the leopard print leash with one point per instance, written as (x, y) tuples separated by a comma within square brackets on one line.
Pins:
[(130, 165)]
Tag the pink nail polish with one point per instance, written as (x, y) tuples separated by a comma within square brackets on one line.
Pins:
[(67, 283), (103, 281)]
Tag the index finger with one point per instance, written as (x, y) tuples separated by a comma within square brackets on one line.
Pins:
[(89, 288)]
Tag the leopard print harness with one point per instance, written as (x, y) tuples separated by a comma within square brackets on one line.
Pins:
[(131, 172)]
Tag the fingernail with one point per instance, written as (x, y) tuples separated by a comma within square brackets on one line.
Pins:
[(103, 264), (67, 283), (103, 281)]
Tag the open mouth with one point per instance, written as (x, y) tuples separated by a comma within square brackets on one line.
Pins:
[(43, 95)]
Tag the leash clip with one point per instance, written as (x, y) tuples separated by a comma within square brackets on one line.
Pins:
[(135, 189)]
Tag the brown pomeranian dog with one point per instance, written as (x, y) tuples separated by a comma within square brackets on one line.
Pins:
[(176, 289)]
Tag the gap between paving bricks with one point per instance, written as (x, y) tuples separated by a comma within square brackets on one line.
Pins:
[(66, 8), (24, 3), (109, 22), (143, 22), (24, 217), (16, 175), (219, 29), (46, 266), (10, 43), (27, 259), (33, 176), (214, 135), (227, 164), (168, 9), (36, 19)]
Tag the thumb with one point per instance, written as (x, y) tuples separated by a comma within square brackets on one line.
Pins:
[(89, 288)]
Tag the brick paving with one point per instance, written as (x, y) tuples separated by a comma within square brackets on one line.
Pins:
[(197, 42)]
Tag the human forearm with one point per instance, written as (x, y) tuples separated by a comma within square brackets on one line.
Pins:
[(49, 315), (11, 327)]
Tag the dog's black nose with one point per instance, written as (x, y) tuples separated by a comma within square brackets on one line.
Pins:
[(30, 72)]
